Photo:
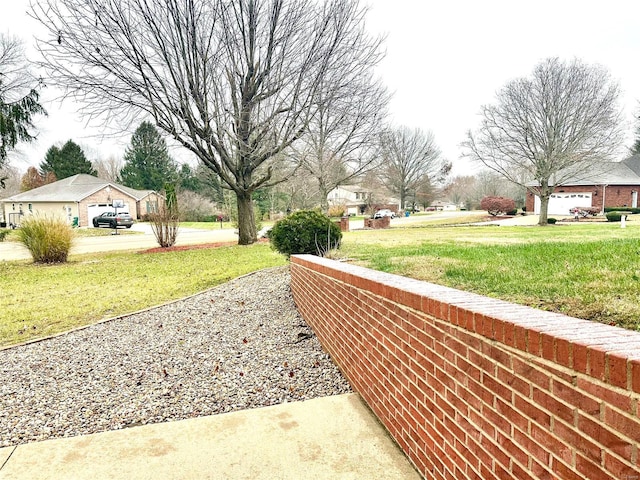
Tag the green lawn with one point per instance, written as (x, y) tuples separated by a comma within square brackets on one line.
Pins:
[(43, 300), (590, 271)]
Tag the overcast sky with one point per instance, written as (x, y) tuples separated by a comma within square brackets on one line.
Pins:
[(444, 60)]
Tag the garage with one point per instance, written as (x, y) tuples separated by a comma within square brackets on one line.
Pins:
[(97, 208), (561, 203)]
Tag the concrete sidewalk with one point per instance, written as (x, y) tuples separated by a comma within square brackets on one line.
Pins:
[(326, 438)]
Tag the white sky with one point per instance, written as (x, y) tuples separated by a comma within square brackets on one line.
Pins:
[(444, 60)]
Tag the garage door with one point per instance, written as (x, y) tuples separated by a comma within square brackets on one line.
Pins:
[(560, 203), (98, 208)]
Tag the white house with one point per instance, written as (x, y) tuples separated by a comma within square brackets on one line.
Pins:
[(354, 197)]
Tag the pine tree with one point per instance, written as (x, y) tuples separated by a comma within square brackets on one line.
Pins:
[(147, 164), (66, 161)]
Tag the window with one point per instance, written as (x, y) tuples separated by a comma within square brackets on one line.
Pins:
[(30, 207)]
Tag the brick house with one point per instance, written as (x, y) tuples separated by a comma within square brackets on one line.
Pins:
[(617, 186), (80, 196)]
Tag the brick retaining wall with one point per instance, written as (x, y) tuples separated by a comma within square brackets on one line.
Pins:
[(476, 388)]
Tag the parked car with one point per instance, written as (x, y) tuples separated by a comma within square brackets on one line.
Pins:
[(385, 212), (113, 220)]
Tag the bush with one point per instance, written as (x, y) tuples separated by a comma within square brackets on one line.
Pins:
[(512, 212), (622, 209), (614, 216), (48, 239), (496, 205), (305, 231), (551, 221), (3, 233), (337, 211)]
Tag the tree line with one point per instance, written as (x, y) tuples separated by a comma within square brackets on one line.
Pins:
[(273, 96)]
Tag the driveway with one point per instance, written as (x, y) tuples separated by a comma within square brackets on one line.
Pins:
[(109, 242)]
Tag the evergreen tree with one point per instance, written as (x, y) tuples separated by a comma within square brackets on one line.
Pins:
[(147, 164), (66, 161)]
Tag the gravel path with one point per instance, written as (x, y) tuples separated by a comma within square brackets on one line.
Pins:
[(240, 345)]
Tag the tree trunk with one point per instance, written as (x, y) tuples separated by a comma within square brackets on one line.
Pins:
[(246, 222), (544, 206)]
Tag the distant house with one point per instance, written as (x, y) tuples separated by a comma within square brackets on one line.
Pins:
[(617, 186), (80, 196), (443, 205), (354, 197), (358, 199)]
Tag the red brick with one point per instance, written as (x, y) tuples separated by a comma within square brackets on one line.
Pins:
[(558, 448), (573, 397), (516, 452), (621, 400), (527, 371), (597, 363), (553, 406), (621, 470), (520, 337), (548, 346), (530, 446), (626, 424), (635, 375), (498, 354), (580, 357), (589, 468), (516, 383), (564, 471), (604, 437), (617, 369), (541, 471), (516, 418), (520, 472), (498, 420), (577, 440), (527, 407)]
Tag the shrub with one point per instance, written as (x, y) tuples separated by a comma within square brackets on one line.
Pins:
[(496, 205), (337, 210), (551, 221), (48, 238), (512, 211), (614, 216), (305, 231), (3, 233), (622, 209)]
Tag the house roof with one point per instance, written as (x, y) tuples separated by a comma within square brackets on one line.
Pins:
[(73, 189), (354, 188), (626, 172)]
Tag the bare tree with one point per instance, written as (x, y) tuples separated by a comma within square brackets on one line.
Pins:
[(108, 168), (459, 189), (19, 97), (12, 177), (560, 124), (342, 142), (411, 158), (234, 82)]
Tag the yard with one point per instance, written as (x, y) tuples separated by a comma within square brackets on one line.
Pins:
[(590, 271)]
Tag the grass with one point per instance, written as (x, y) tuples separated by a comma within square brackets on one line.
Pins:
[(590, 271), (41, 300)]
